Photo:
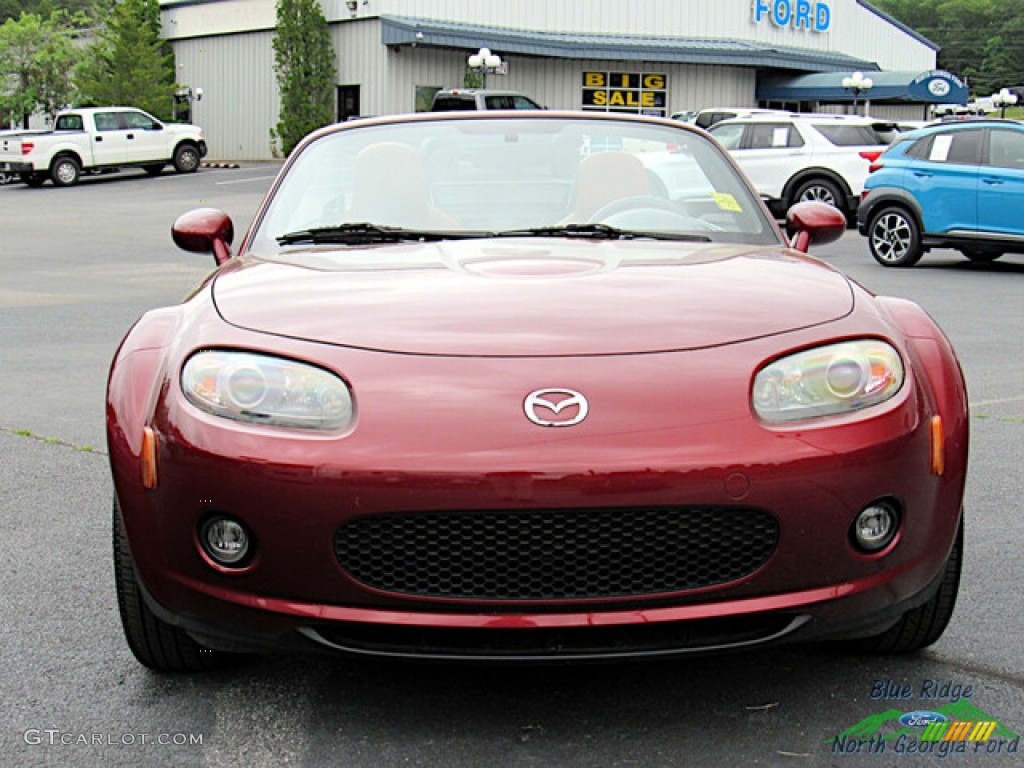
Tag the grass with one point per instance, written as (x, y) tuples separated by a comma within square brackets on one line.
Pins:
[(1016, 113), (85, 448)]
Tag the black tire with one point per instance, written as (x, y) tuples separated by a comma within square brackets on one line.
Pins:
[(33, 179), (894, 238), (819, 191), (980, 255), (186, 158), (156, 644), (154, 169), (920, 627), (65, 171)]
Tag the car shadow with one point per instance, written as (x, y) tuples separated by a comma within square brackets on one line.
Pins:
[(731, 709)]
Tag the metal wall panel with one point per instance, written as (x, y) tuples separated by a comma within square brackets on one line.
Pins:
[(240, 99), (240, 104), (854, 29)]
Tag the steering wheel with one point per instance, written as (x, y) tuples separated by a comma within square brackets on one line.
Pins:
[(647, 212)]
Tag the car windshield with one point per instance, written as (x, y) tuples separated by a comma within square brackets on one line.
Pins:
[(541, 176)]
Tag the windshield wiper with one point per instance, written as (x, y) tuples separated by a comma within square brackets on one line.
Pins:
[(600, 232), (363, 233)]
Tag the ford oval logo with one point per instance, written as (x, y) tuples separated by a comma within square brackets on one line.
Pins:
[(556, 407), (921, 719)]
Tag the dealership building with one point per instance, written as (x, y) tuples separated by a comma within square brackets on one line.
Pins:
[(645, 56)]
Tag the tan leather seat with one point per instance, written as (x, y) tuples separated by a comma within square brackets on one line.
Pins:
[(389, 187), (604, 178)]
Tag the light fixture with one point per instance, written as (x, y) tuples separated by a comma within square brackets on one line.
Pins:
[(876, 526), (352, 5), (858, 84), (484, 61)]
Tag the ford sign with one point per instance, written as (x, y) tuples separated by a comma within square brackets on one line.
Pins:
[(921, 719)]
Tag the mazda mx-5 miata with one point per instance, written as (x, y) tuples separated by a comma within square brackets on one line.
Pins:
[(529, 386)]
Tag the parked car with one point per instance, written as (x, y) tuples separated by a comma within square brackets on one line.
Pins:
[(486, 385), (98, 140), (709, 116), (798, 157), (459, 99), (950, 185)]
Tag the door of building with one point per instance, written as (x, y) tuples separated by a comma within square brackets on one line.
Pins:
[(348, 102)]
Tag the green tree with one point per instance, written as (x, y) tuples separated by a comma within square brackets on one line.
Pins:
[(12, 9), (36, 56), (980, 40), (129, 64), (304, 62), (1003, 64)]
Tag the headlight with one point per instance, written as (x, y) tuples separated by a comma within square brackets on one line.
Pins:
[(838, 378), (266, 390)]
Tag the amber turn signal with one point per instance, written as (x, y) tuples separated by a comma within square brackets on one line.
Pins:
[(148, 458)]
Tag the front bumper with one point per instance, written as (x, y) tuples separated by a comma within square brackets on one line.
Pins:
[(824, 614), (294, 493)]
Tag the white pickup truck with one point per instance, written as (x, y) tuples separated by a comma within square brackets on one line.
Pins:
[(97, 139)]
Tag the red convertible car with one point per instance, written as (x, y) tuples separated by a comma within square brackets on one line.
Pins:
[(529, 386)]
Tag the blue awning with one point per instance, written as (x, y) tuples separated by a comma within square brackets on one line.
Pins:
[(932, 87), (400, 30)]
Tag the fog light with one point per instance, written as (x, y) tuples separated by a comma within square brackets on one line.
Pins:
[(875, 526), (225, 540)]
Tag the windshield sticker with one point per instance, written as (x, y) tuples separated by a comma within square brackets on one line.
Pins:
[(940, 148), (726, 202)]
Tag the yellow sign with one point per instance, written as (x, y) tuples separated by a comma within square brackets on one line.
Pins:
[(643, 92)]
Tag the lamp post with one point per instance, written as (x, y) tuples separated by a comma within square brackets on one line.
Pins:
[(484, 61), (1005, 98), (858, 84)]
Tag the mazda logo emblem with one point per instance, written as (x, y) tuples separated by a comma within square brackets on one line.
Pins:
[(556, 407)]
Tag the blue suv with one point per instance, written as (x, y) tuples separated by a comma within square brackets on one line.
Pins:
[(950, 185)]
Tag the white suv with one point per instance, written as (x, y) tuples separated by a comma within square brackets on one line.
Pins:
[(795, 157)]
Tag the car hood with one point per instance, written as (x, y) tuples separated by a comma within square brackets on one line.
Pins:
[(531, 297)]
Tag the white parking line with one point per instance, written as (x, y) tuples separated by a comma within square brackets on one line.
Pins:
[(245, 181), (979, 403)]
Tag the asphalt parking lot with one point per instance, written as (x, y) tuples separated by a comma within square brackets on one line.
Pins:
[(79, 265)]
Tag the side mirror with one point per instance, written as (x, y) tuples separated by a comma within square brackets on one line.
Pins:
[(813, 223), (205, 230)]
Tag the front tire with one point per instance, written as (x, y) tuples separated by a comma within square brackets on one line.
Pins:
[(186, 159), (65, 171), (894, 238), (155, 643), (920, 627)]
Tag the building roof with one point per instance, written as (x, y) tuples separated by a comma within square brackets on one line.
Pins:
[(899, 25), (401, 30), (932, 87)]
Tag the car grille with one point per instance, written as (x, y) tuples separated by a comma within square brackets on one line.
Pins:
[(558, 554)]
